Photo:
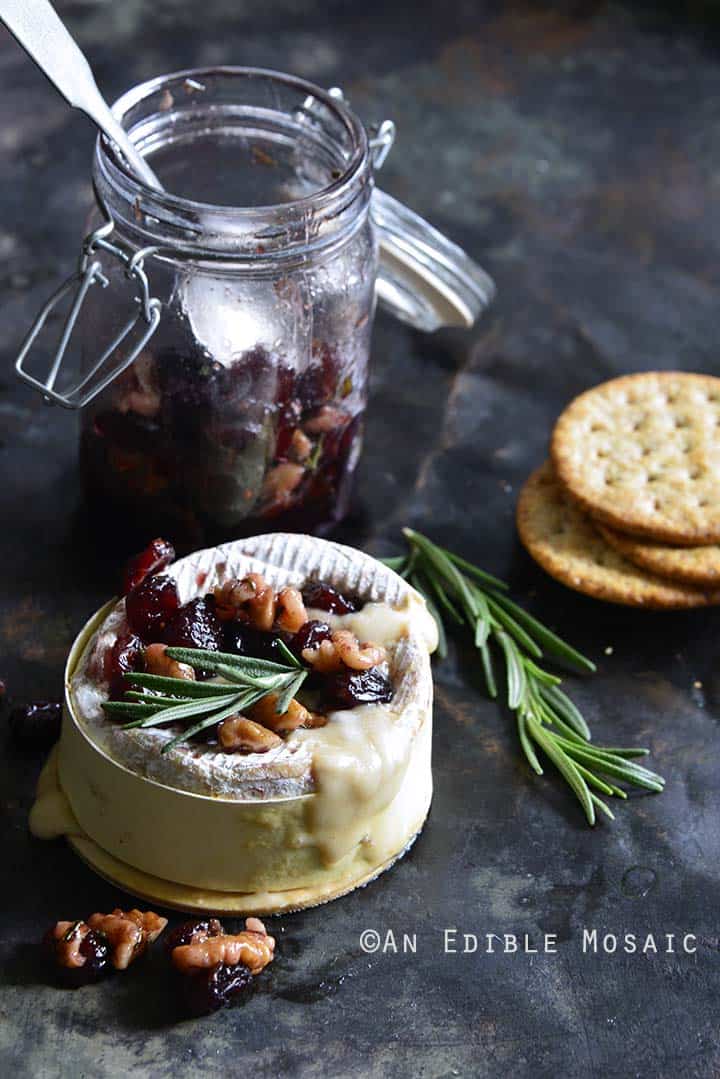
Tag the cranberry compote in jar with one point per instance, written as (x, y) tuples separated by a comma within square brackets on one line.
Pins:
[(244, 410)]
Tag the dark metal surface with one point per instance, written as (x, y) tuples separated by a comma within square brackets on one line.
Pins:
[(576, 154)]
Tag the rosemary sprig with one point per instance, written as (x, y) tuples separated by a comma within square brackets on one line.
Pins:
[(546, 717), (160, 700)]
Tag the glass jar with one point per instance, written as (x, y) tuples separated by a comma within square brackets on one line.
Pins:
[(234, 319)]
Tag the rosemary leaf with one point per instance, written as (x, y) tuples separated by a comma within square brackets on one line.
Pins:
[(562, 704), (553, 644), (204, 660), (442, 596), (516, 683), (211, 720), (289, 692), (565, 766), (602, 806), (513, 627), (188, 709), (526, 744), (126, 708), (176, 687), (488, 670), (546, 717), (291, 658)]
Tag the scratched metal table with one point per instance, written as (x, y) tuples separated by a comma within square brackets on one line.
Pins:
[(578, 156)]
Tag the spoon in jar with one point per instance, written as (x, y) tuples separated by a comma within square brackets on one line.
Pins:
[(37, 27)]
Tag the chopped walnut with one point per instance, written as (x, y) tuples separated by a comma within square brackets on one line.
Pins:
[(261, 608), (143, 395), (67, 938), (360, 657), (231, 597), (315, 719), (254, 948), (326, 419), (239, 734), (250, 599), (290, 613), (128, 933), (158, 662), (343, 649), (281, 481), (300, 446), (84, 945), (324, 658), (264, 712)]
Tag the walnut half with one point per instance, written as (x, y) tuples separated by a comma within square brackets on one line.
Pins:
[(128, 933), (254, 948), (239, 733)]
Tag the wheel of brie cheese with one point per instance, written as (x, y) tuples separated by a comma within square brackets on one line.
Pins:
[(261, 812)]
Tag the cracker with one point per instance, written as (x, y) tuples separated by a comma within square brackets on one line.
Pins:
[(564, 542), (698, 566), (642, 454)]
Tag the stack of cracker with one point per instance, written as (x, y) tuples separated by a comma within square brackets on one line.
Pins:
[(628, 508)]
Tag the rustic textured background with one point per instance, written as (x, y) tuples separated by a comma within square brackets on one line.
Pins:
[(576, 152)]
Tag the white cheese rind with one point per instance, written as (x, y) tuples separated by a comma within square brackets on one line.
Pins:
[(393, 612)]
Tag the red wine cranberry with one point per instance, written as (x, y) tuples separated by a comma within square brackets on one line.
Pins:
[(326, 598), (124, 656), (349, 688), (185, 933), (195, 625), (211, 989), (247, 641), (37, 725), (157, 555), (95, 949), (150, 607), (310, 635), (317, 384)]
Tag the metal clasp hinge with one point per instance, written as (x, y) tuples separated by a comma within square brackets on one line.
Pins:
[(89, 273), (382, 136)]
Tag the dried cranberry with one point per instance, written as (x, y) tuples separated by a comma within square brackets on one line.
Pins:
[(310, 635), (187, 931), (317, 384), (285, 384), (191, 383), (37, 725), (209, 990), (127, 431), (288, 418), (247, 641), (124, 656), (157, 555), (195, 625), (326, 598), (151, 605), (95, 949), (349, 688)]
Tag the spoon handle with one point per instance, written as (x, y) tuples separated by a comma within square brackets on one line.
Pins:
[(37, 27)]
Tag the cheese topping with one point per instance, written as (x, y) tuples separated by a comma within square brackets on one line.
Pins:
[(367, 772)]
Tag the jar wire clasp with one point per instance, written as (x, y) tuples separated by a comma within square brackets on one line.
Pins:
[(90, 272)]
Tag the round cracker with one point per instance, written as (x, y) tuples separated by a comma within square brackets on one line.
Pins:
[(698, 566), (563, 541), (642, 454)]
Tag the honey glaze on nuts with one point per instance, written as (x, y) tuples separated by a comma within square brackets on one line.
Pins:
[(84, 950)]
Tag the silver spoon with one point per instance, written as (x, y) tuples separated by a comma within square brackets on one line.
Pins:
[(37, 27)]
